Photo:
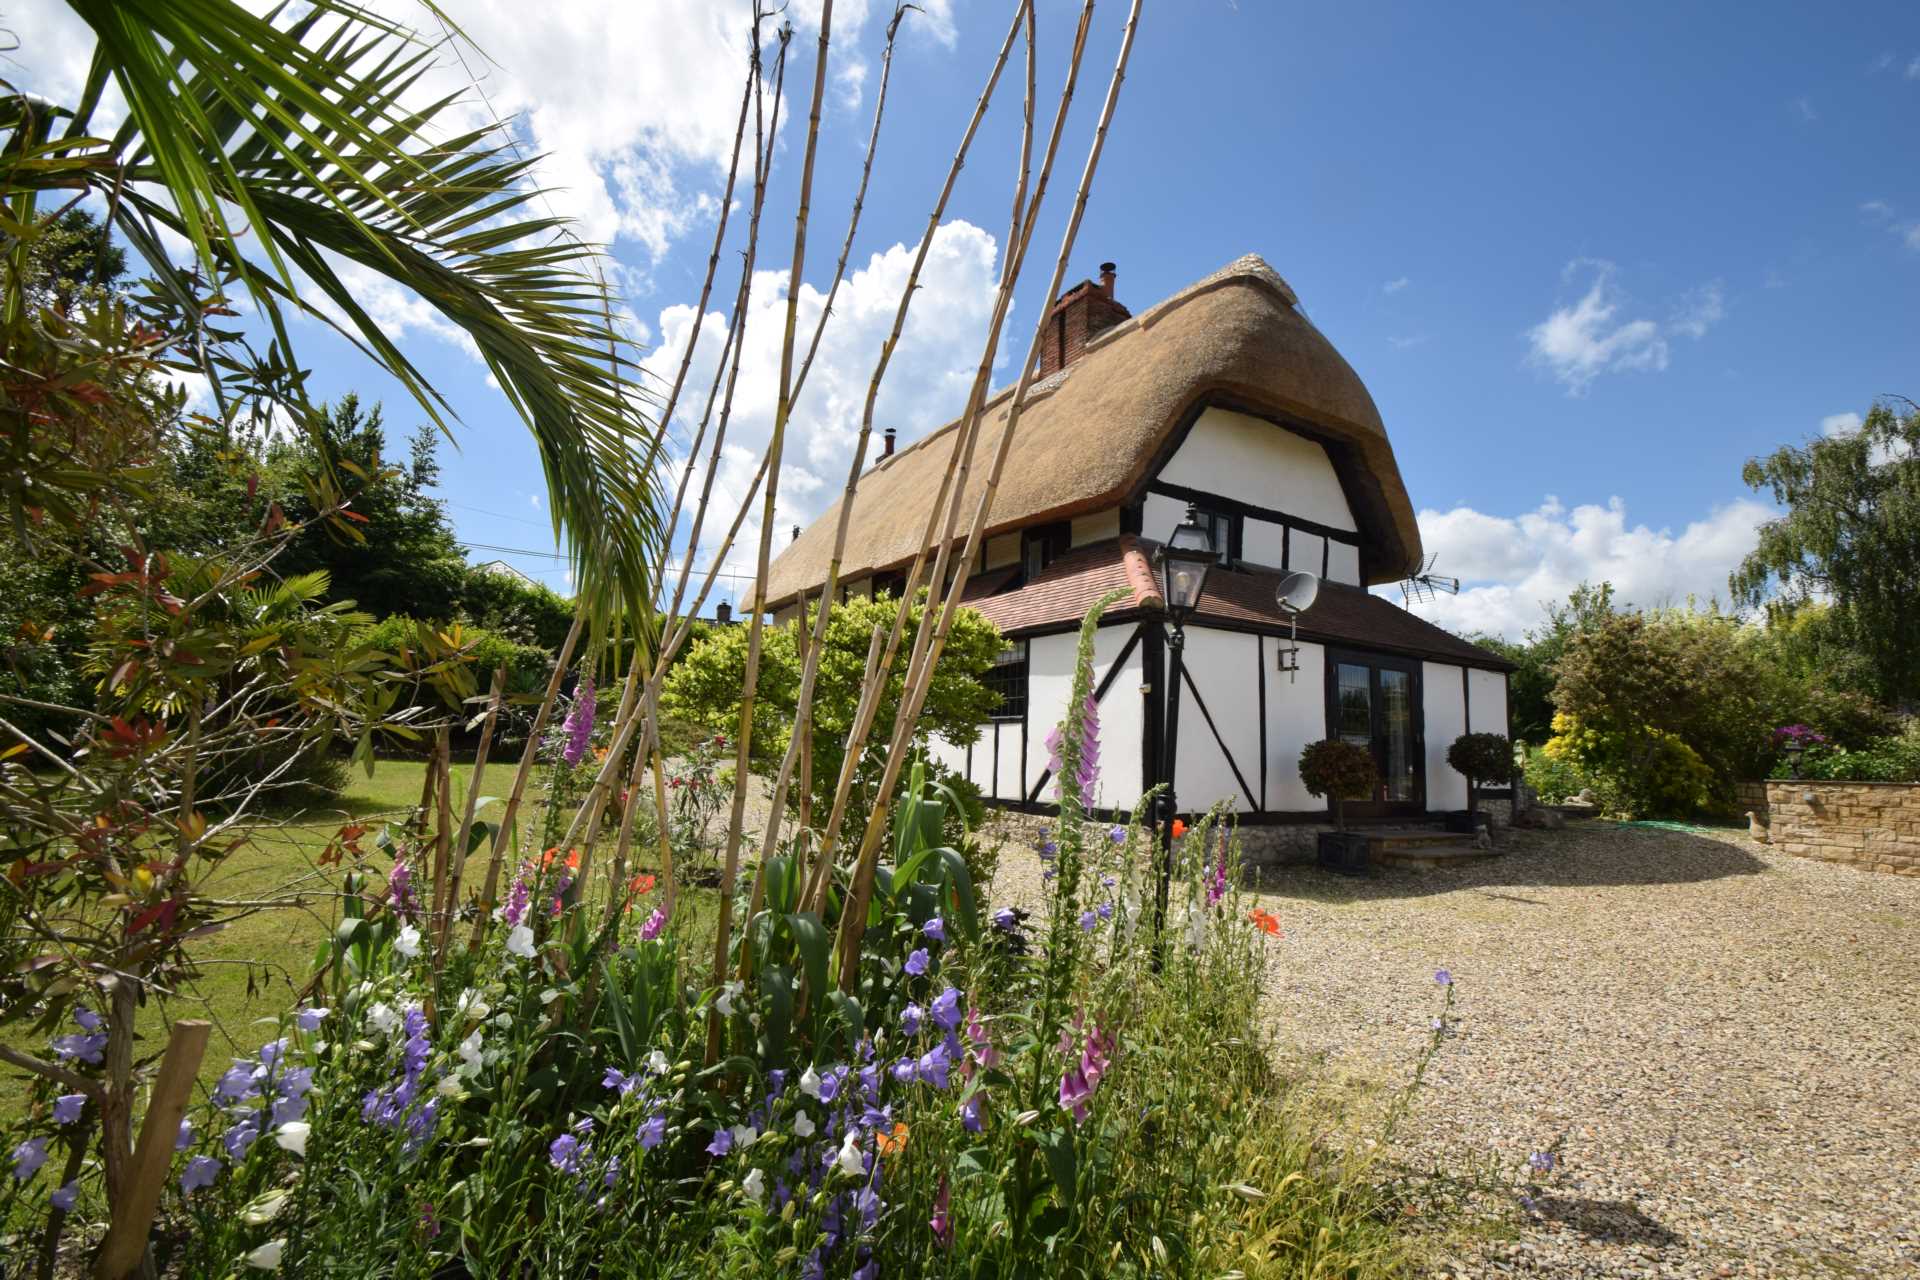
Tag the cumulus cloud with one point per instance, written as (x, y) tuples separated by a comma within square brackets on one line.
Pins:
[(926, 382), (1837, 426), (1511, 567), (1579, 342)]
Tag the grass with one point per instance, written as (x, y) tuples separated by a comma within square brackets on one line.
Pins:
[(252, 970)]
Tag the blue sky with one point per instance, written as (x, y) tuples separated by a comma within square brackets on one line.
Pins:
[(1588, 260)]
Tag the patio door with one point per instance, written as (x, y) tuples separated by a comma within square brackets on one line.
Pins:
[(1374, 702)]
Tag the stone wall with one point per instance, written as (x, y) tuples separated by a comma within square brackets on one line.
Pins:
[(1871, 825), (1261, 844), (1751, 796)]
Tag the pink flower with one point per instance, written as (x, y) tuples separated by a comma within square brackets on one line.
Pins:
[(655, 923), (579, 726)]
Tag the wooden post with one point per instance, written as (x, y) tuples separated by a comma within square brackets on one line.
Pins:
[(125, 1251)]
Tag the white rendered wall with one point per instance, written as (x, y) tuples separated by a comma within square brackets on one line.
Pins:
[(1487, 702), (1263, 542), (1343, 563), (1306, 551), (1224, 666), (1444, 701), (1049, 681), (1008, 785), (1160, 515), (1260, 463), (1101, 526), (1296, 715), (947, 755)]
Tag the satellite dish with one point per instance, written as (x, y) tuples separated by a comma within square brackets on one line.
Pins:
[(1298, 591)]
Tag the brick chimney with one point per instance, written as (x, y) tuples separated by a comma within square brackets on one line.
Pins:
[(886, 443), (723, 613), (1082, 314)]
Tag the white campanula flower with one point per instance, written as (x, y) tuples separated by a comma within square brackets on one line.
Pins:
[(449, 1087), (850, 1158), (755, 1185), (520, 942), (657, 1063), (810, 1083), (471, 1057), (744, 1135), (407, 943), (292, 1136), (803, 1126), (726, 998), (382, 1018), (265, 1210), (267, 1256), (473, 1005)]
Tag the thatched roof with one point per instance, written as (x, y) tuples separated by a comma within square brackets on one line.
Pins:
[(1090, 433)]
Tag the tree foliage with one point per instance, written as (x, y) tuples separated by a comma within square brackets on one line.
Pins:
[(1481, 757), (704, 687), (1851, 536), (1340, 771)]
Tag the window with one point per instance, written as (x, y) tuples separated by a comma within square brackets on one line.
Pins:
[(1041, 545), (1224, 530), (1008, 679)]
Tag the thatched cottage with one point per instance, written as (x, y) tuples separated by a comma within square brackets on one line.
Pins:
[(1224, 398)]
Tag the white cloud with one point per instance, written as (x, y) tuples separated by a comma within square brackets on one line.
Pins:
[(1395, 286), (1699, 310), (1512, 566), (1411, 340), (1579, 342), (1803, 107), (1876, 210), (1840, 424), (1913, 68), (926, 383)]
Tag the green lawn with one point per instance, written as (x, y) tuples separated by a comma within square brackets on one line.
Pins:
[(251, 971)]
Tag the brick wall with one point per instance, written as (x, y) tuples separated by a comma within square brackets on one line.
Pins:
[(1871, 825)]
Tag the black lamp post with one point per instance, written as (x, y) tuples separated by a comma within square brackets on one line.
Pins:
[(1183, 564)]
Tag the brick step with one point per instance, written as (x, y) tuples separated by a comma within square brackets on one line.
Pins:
[(1413, 838), (1426, 856)]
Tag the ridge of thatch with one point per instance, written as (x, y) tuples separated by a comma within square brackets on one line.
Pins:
[(1089, 433)]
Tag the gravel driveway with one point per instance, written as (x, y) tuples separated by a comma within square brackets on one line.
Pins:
[(1721, 1042)]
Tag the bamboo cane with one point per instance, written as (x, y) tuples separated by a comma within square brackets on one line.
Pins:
[(442, 838), (483, 917), (755, 626), (853, 921), (473, 799)]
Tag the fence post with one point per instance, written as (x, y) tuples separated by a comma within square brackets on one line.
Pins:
[(125, 1251)]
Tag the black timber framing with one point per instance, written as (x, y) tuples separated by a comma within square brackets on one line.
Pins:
[(1248, 511), (1260, 668), (1225, 750)]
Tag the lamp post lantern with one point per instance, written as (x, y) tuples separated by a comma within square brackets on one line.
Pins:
[(1183, 564)]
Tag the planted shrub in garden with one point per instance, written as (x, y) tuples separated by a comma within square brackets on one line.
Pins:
[(1479, 758), (1340, 771)]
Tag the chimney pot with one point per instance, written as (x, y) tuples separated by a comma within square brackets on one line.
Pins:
[(1106, 278), (796, 533), (723, 612), (886, 443)]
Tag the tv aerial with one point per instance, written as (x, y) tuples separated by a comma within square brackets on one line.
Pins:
[(1423, 583), (1295, 595)]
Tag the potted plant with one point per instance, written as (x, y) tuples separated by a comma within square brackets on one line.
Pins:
[(1340, 771), (1478, 757)]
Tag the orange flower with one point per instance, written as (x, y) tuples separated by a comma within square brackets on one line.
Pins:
[(1179, 828), (573, 858), (890, 1143), (1265, 921), (546, 859), (641, 884)]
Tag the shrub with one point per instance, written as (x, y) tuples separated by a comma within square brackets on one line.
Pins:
[(1481, 757), (1649, 773), (1341, 771), (1894, 758)]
